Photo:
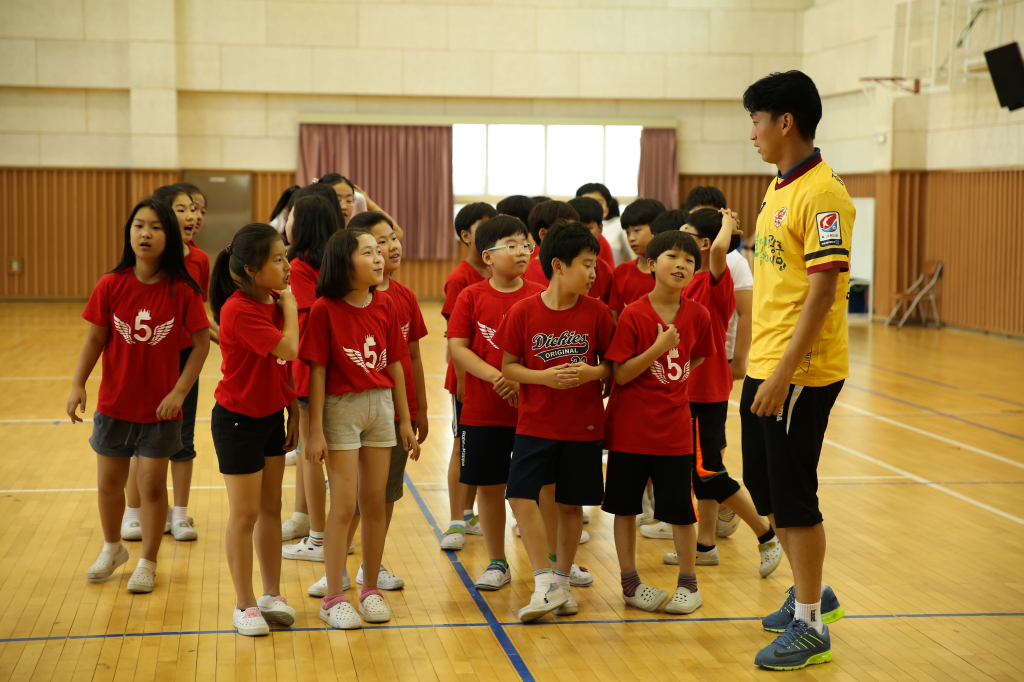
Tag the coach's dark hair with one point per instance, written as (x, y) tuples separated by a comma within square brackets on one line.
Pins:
[(497, 228), (325, 191), (591, 187), (314, 223), (284, 202), (367, 220), (469, 214), (641, 212), (172, 260), (540, 199), (666, 241), (669, 220), (589, 209), (546, 214), (336, 271), (333, 179), (704, 196), (516, 205), (792, 92), (250, 247), (565, 241)]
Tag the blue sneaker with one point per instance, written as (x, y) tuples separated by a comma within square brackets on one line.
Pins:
[(798, 647), (831, 611)]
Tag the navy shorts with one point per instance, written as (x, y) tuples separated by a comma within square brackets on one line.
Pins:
[(711, 480), (670, 474), (574, 467), (486, 453)]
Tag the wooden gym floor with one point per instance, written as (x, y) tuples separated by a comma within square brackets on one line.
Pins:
[(922, 478)]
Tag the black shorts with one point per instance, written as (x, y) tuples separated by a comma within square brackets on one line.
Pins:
[(486, 452), (780, 453), (456, 416), (711, 480), (670, 474), (576, 466), (188, 415), (243, 443), (115, 437)]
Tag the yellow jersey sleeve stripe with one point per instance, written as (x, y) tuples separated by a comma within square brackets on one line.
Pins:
[(837, 251)]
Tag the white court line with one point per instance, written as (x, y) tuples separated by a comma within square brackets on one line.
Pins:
[(92, 490)]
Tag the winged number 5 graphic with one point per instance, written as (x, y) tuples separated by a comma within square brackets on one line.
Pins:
[(124, 330)]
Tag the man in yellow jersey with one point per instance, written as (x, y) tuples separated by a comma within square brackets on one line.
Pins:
[(798, 353)]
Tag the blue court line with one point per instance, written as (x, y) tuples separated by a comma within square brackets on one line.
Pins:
[(936, 383), (934, 411), (492, 621)]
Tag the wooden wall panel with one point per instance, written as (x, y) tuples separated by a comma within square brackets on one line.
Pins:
[(745, 193), (860, 184), (266, 190)]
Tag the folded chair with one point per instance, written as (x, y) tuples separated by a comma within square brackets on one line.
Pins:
[(919, 290)]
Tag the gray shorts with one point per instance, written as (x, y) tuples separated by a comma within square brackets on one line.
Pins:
[(118, 438), (396, 474), (354, 420)]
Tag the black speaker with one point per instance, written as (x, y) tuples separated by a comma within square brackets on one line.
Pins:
[(1007, 70)]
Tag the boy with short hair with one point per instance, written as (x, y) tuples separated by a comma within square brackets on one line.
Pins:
[(487, 426), (517, 206), (632, 279), (554, 343), (592, 217), (469, 271), (659, 340), (542, 217)]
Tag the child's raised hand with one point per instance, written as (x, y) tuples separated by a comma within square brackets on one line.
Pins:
[(170, 407), (316, 451), (730, 220), (286, 300), (668, 338), (76, 402), (409, 442)]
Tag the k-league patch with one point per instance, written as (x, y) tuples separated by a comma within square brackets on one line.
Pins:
[(829, 233), (780, 215)]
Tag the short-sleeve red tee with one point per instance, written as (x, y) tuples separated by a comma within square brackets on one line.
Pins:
[(658, 398), (410, 321), (600, 289), (461, 277), (606, 252), (542, 338), (302, 282), (140, 362), (712, 380), (255, 383), (478, 313), (628, 285), (356, 345), (198, 265)]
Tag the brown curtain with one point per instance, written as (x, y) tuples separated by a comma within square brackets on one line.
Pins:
[(406, 169), (659, 172)]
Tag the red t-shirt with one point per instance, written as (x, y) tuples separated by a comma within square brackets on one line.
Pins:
[(255, 382), (658, 399), (712, 381), (606, 252), (139, 367), (600, 289), (628, 285), (353, 343), (198, 265), (302, 282), (478, 313), (461, 277), (544, 338), (410, 321)]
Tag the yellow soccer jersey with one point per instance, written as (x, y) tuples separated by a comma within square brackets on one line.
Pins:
[(805, 225)]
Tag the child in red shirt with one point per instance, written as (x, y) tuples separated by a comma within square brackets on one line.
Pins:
[(553, 344), (632, 279), (487, 426), (709, 396), (470, 271), (592, 217), (259, 335), (541, 219), (660, 339), (354, 347), (146, 298)]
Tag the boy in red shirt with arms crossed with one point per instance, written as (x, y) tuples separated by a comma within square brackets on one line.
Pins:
[(554, 345), (661, 337)]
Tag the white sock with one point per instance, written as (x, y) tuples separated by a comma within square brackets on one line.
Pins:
[(299, 517), (112, 547), (179, 513), (810, 614), (562, 579), (468, 515), (133, 513), (146, 563), (460, 523), (542, 580)]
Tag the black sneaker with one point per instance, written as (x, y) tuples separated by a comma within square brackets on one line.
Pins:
[(798, 647)]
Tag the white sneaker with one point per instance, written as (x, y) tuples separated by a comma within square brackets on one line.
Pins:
[(670, 558), (709, 558), (648, 513), (374, 609), (570, 607), (580, 577), (290, 458), (183, 531), (453, 539), (727, 522), (684, 601), (319, 588), (276, 610), (341, 616), (131, 529), (646, 598), (385, 581), (657, 531), (771, 556), (494, 578), (304, 550), (473, 526), (170, 521), (543, 603), (586, 516), (106, 564), (292, 529), (584, 537), (250, 622), (143, 580)]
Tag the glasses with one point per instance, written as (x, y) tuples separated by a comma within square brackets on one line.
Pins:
[(349, 201), (514, 249)]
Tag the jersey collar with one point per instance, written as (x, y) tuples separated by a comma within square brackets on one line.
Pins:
[(799, 169)]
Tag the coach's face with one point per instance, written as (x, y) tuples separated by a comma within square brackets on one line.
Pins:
[(767, 133)]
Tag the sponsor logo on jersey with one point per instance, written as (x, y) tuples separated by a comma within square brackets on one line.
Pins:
[(780, 216), (568, 345), (829, 233)]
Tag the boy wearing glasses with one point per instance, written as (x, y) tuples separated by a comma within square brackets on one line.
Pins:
[(487, 427)]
